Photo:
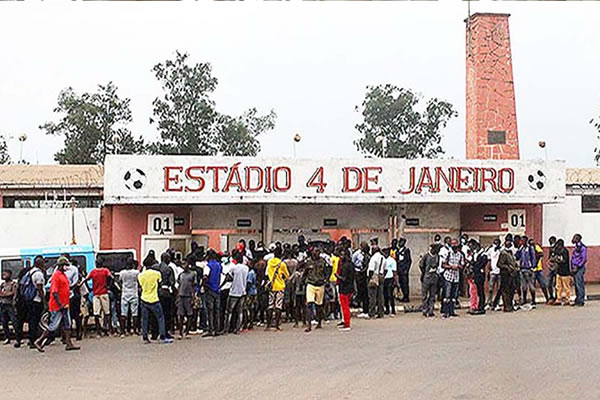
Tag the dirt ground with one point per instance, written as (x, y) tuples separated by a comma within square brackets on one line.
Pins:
[(548, 353)]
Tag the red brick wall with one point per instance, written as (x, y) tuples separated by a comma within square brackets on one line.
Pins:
[(490, 89)]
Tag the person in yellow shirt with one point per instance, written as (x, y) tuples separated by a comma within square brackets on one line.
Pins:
[(334, 310), (277, 273), (538, 273), (149, 280)]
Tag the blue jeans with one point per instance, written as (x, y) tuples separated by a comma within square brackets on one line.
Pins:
[(450, 296), (579, 286), (213, 310), (155, 309)]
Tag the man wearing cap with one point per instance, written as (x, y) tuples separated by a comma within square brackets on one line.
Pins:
[(58, 307), (453, 264)]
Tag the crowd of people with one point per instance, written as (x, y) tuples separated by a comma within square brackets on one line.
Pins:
[(305, 283)]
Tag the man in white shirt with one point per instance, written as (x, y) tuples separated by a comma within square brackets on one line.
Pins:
[(375, 273), (493, 252), (238, 275), (177, 270), (72, 273), (389, 282), (227, 264), (443, 253)]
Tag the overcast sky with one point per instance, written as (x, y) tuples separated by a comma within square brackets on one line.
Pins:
[(309, 61)]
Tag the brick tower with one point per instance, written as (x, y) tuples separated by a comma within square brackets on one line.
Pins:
[(491, 114)]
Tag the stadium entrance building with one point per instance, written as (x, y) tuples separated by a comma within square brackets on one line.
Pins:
[(157, 202)]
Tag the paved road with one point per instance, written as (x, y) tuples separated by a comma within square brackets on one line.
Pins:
[(548, 353)]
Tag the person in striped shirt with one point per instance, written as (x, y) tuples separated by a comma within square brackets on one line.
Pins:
[(452, 265)]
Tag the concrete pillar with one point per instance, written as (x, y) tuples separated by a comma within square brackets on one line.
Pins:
[(267, 223), (491, 118)]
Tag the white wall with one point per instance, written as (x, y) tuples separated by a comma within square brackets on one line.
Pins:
[(39, 227), (565, 219)]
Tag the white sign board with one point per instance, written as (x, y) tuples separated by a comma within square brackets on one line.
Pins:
[(161, 224), (214, 180), (517, 221)]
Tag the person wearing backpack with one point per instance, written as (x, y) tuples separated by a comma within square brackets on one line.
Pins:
[(31, 292)]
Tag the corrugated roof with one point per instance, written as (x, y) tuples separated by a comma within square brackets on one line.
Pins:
[(583, 176), (51, 176)]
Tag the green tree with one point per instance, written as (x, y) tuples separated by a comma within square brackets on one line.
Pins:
[(93, 125), (187, 119), (4, 157), (237, 136), (393, 126)]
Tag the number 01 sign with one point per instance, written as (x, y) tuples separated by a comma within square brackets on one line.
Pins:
[(160, 224), (517, 221)]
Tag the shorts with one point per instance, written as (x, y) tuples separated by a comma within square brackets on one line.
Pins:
[(101, 304), (127, 304), (315, 294), (185, 306), (58, 319), (276, 300)]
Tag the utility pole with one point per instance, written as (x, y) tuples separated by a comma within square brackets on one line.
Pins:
[(73, 204)]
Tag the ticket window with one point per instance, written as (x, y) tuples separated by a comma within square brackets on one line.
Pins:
[(292, 237), (202, 240), (382, 237), (234, 238), (181, 245)]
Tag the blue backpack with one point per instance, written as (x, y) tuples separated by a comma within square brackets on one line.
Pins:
[(27, 288)]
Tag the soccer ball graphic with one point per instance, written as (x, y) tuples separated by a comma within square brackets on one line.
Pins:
[(537, 180), (135, 179)]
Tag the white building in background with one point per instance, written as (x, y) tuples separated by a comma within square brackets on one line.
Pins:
[(36, 205), (579, 213)]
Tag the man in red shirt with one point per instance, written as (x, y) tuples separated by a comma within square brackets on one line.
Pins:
[(58, 307), (101, 301)]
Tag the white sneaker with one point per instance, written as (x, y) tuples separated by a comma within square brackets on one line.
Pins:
[(344, 329)]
